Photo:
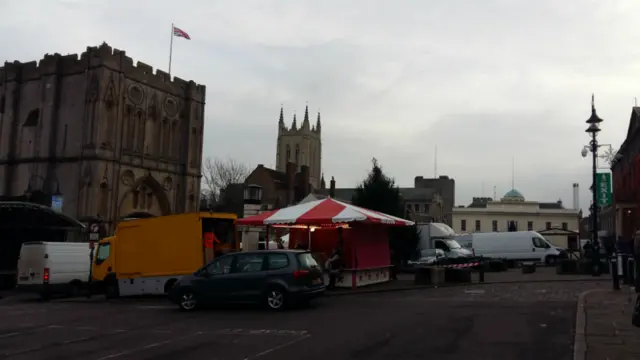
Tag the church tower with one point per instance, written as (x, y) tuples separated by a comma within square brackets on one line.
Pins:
[(302, 146)]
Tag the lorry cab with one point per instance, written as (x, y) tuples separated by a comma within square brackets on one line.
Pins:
[(103, 261), (452, 249), (441, 237)]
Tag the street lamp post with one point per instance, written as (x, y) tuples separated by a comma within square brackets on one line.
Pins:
[(593, 129)]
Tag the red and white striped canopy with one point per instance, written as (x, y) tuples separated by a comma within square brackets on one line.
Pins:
[(320, 212)]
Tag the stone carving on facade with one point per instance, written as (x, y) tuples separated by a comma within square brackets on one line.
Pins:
[(91, 110), (170, 107), (140, 130), (104, 194), (167, 184), (85, 190), (110, 118), (127, 178), (136, 94)]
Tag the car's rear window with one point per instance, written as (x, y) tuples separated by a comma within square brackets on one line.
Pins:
[(307, 261)]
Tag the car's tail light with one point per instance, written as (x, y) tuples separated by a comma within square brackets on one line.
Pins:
[(300, 273), (45, 275)]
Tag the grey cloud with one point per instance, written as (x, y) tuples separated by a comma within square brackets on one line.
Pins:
[(486, 81)]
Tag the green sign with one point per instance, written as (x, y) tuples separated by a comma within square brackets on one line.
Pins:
[(603, 189)]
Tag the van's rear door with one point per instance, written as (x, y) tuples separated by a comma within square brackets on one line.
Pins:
[(31, 263)]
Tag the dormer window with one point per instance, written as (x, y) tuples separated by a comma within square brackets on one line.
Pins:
[(253, 193)]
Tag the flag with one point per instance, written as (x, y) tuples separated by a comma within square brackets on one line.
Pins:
[(180, 33)]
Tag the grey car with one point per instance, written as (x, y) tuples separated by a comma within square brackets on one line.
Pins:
[(275, 278)]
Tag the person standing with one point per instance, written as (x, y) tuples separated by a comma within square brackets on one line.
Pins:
[(334, 263)]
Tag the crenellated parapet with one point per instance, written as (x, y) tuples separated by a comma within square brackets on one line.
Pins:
[(96, 57)]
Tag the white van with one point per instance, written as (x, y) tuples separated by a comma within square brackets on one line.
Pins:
[(53, 268), (517, 245)]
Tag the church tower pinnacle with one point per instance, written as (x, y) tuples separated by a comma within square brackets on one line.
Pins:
[(281, 125), (305, 123), (318, 125)]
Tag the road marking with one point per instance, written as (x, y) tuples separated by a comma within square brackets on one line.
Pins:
[(86, 328), (78, 339), (9, 335), (127, 352), (474, 292), (42, 346), (155, 307), (275, 348), (259, 332), (24, 312)]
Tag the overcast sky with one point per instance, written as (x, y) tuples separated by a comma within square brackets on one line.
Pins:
[(485, 81)]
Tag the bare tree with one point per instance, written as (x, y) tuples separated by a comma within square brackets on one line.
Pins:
[(609, 155), (219, 173)]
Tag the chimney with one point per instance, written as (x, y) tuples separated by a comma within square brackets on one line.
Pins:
[(576, 196), (304, 179), (291, 181), (332, 187)]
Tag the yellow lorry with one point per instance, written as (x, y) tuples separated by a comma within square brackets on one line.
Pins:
[(147, 256)]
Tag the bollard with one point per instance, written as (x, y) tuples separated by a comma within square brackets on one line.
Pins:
[(481, 273), (625, 269), (620, 265), (631, 271), (614, 272)]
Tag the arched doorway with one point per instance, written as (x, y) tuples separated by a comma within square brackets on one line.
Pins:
[(146, 196)]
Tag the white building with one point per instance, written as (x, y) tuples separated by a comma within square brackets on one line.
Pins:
[(512, 212)]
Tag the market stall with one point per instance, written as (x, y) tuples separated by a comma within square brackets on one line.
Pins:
[(322, 225)]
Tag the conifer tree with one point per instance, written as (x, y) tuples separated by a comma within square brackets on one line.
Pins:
[(379, 192)]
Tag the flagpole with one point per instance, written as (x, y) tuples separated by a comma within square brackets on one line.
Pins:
[(170, 50)]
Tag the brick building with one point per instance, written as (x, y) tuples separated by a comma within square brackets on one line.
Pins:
[(625, 170), (274, 189)]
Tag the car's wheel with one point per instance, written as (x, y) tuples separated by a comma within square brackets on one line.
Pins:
[(551, 260), (188, 300), (275, 298)]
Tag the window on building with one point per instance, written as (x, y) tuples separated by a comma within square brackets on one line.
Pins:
[(548, 225), (416, 208), (530, 225), (253, 192), (565, 226), (477, 225), (494, 225), (463, 225)]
